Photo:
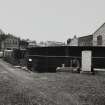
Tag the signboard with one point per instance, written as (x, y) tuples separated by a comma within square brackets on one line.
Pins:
[(86, 60)]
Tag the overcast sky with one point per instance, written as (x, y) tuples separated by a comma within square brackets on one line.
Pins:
[(58, 20)]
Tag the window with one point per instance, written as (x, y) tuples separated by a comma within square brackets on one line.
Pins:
[(99, 40)]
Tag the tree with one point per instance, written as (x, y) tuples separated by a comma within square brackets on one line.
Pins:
[(68, 41), (23, 43), (2, 38)]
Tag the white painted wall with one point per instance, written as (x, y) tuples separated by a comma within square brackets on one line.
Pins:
[(86, 60)]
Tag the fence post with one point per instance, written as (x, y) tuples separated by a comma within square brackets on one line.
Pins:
[(67, 56)]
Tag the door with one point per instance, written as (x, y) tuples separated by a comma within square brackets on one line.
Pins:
[(86, 60)]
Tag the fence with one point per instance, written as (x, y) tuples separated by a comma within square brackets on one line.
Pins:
[(15, 57), (49, 58)]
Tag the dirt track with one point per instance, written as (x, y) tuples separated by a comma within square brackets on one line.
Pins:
[(19, 87)]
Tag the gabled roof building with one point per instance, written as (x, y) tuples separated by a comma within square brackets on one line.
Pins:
[(99, 36)]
